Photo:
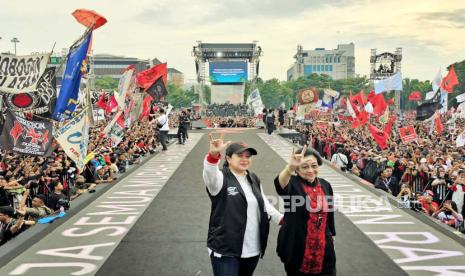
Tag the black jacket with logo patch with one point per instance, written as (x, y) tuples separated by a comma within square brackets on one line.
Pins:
[(228, 216)]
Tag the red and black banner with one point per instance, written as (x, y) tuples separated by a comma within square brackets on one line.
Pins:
[(41, 102), (26, 137), (158, 90)]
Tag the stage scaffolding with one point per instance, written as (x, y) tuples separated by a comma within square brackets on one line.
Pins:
[(204, 53)]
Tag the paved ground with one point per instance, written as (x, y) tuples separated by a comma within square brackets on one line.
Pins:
[(154, 222), (170, 238)]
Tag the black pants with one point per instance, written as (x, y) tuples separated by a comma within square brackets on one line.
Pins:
[(163, 136), (233, 266), (182, 134), (270, 128)]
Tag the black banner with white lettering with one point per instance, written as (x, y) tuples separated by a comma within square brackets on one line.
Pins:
[(40, 102), (26, 137)]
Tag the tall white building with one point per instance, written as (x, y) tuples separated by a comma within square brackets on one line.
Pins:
[(338, 63)]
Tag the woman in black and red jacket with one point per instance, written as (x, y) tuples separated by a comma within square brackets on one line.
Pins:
[(305, 240)]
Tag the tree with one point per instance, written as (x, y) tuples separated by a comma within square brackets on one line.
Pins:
[(106, 82), (410, 85)]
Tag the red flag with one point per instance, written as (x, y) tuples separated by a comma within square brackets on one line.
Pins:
[(380, 136), (437, 123), (111, 104), (379, 105), (148, 77), (387, 128), (146, 107), (294, 108), (371, 95), (361, 120), (120, 120), (357, 101), (450, 81), (415, 96), (407, 134), (102, 101)]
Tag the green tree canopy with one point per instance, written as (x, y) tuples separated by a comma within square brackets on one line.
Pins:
[(106, 82)]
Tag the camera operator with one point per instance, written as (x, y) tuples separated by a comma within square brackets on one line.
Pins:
[(405, 196), (440, 185)]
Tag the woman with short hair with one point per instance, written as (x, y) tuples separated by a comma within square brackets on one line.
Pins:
[(305, 240)]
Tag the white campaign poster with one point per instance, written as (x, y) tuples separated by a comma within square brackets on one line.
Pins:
[(19, 74)]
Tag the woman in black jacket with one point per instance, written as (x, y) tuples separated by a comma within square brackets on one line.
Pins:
[(240, 212), (305, 240)]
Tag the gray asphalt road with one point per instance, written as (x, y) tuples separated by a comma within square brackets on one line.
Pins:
[(170, 237)]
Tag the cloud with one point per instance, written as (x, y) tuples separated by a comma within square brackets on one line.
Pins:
[(208, 12), (454, 19)]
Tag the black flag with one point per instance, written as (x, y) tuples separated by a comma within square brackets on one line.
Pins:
[(426, 110), (26, 137), (158, 90)]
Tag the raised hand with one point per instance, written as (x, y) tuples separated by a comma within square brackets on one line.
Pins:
[(296, 159), (217, 145)]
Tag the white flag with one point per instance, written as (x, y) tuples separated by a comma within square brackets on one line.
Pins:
[(123, 87), (254, 95), (460, 98), (369, 108), (392, 83), (74, 138), (436, 83), (351, 109), (429, 95)]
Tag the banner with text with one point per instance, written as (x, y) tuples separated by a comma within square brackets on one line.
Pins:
[(26, 137), (20, 74)]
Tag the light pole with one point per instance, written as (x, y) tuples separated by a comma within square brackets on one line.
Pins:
[(15, 40)]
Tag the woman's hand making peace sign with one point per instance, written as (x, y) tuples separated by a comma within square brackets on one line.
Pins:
[(217, 145), (296, 159)]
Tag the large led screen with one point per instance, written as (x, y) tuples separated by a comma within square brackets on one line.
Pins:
[(228, 71)]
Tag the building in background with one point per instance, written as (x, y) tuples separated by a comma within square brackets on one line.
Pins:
[(338, 63), (103, 65), (176, 77)]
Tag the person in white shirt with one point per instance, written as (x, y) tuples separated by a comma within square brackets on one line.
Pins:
[(240, 214), (339, 160), (163, 126)]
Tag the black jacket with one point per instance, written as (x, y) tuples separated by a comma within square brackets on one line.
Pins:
[(228, 217), (293, 232)]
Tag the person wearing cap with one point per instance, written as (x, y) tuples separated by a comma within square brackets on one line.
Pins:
[(38, 209), (306, 237), (240, 213)]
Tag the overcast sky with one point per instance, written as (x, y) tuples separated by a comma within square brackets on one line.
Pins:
[(431, 33)]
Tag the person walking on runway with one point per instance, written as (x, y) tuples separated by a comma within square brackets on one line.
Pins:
[(183, 126), (164, 128), (239, 219), (270, 121), (306, 237)]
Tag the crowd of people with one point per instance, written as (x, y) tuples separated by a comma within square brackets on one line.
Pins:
[(227, 110), (427, 175), (32, 188)]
